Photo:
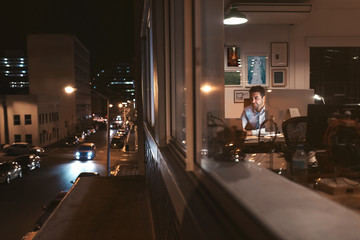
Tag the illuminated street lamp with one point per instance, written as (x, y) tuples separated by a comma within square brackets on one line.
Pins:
[(70, 90)]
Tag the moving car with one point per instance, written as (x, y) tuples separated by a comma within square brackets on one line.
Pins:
[(85, 151), (9, 171), (28, 162), (19, 148), (117, 142)]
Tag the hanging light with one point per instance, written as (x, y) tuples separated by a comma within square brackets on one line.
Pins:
[(234, 17)]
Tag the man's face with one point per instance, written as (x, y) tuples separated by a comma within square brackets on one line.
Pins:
[(257, 101)]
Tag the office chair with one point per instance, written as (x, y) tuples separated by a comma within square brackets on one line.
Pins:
[(294, 130)]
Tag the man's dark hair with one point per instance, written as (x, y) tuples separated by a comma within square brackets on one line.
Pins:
[(259, 89)]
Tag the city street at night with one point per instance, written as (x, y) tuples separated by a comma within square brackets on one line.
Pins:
[(22, 200)]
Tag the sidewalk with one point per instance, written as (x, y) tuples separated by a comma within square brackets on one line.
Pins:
[(128, 164)]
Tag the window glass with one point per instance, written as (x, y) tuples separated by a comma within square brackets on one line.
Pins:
[(17, 120), (28, 138), (17, 138), (27, 119), (178, 127), (335, 73)]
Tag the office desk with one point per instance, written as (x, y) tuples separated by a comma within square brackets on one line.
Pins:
[(273, 161), (252, 144), (268, 137)]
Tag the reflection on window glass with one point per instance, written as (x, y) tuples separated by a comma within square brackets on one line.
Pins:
[(178, 127)]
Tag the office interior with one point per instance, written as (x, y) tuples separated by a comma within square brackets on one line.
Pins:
[(308, 58)]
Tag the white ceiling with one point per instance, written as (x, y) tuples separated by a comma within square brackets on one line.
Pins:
[(272, 11)]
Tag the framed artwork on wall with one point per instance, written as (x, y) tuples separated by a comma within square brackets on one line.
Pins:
[(240, 95), (233, 78), (279, 54), (278, 77), (232, 59), (256, 68)]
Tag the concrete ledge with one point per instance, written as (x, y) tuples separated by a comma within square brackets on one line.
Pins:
[(102, 208)]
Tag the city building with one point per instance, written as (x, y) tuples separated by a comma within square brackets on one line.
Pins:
[(34, 105), (29, 118), (116, 80), (14, 78), (57, 61)]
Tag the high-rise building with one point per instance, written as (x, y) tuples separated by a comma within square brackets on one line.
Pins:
[(14, 77), (116, 81)]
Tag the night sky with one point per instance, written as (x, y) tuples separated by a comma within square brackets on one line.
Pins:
[(105, 27)]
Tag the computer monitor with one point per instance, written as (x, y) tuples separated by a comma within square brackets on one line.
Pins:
[(317, 123), (280, 104)]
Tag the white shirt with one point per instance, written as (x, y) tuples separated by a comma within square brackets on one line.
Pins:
[(253, 119)]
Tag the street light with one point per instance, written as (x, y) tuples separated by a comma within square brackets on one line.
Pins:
[(70, 90)]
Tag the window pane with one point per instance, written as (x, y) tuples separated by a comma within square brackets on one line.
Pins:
[(27, 119), (16, 119), (335, 73), (17, 138), (28, 138), (178, 126)]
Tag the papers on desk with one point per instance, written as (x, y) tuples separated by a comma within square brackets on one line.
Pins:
[(267, 135)]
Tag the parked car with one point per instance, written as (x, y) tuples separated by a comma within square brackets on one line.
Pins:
[(48, 209), (72, 141), (117, 142), (91, 130), (121, 132), (28, 162), (85, 151), (9, 171), (81, 136), (20, 148)]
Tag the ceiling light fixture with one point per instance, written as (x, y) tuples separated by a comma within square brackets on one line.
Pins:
[(234, 17)]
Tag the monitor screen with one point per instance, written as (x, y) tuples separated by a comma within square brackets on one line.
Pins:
[(282, 104)]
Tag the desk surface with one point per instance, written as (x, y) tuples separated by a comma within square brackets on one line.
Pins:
[(267, 137), (273, 161)]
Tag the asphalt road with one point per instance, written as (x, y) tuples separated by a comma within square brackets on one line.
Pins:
[(22, 200)]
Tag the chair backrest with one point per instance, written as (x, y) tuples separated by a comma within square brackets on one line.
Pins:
[(294, 130)]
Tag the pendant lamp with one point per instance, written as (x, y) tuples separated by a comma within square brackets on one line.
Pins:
[(234, 17)]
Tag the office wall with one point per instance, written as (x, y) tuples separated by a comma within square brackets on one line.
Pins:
[(329, 24)]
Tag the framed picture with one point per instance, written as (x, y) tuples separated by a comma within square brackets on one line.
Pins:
[(279, 54), (240, 95), (256, 68), (278, 77), (233, 78), (233, 59)]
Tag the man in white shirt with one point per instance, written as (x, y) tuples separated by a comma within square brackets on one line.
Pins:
[(254, 115)]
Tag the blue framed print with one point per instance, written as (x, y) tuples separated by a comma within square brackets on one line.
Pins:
[(256, 70)]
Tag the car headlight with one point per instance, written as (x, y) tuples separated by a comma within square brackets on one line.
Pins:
[(89, 154), (77, 153)]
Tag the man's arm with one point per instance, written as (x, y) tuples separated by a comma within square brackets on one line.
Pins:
[(244, 121)]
